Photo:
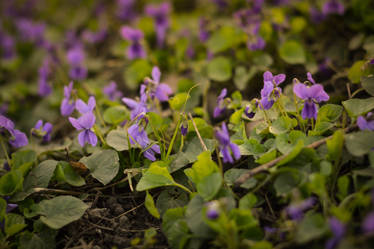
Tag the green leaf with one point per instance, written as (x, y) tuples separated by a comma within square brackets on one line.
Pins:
[(325, 168), (11, 182), (136, 72), (357, 107), (64, 172), (172, 197), (343, 187), (335, 146), (286, 181), (359, 143), (282, 125), (23, 157), (329, 113), (177, 102), (115, 114), (243, 218), (355, 72), (38, 177), (252, 147), (3, 206), (209, 186), (242, 77), (293, 154), (292, 52), (175, 228), (267, 157), (224, 38), (150, 205), (103, 165), (156, 176), (117, 139), (194, 218), (320, 128), (60, 211), (313, 226), (219, 69), (248, 201), (203, 167), (368, 84), (236, 117), (14, 223), (286, 142)]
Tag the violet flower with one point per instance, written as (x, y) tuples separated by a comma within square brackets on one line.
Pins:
[(159, 90), (7, 45), (17, 138), (257, 44), (221, 107), (249, 114), (31, 31), (84, 108), (44, 71), (226, 145), (296, 212), (67, 105), (137, 107), (94, 37), (135, 50), (161, 20), (271, 92), (338, 230), (111, 91), (364, 124), (312, 95), (125, 9), (138, 135), (85, 124), (333, 7), (212, 211), (184, 130), (75, 57), (43, 130), (203, 31)]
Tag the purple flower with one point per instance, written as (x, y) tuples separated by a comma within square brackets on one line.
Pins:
[(368, 224), (111, 91), (85, 108), (271, 92), (137, 107), (184, 130), (250, 114), (67, 105), (160, 15), (43, 130), (135, 50), (161, 90), (44, 71), (312, 95), (85, 124), (203, 31), (125, 9), (212, 211), (138, 135), (221, 107), (221, 4), (333, 7), (31, 31), (258, 44), (363, 124), (94, 37), (296, 212), (338, 230), (226, 145), (17, 138), (75, 57), (7, 46)]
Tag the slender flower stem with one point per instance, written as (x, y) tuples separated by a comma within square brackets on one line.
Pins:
[(98, 131), (173, 138), (4, 150), (100, 117), (183, 187), (197, 132)]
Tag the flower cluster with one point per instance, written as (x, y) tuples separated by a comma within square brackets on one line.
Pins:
[(43, 130), (271, 90)]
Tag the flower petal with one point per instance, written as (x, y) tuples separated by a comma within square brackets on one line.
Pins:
[(301, 91), (92, 138), (268, 76), (19, 140), (87, 120), (235, 150), (316, 92), (279, 78), (309, 110), (156, 74), (130, 102), (75, 123)]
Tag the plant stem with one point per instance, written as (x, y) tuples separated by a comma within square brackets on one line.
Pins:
[(98, 131), (183, 187), (197, 132), (173, 138), (4, 150)]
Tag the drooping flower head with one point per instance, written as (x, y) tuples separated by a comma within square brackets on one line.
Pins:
[(221, 107), (271, 92), (366, 123), (159, 90), (111, 91), (85, 124), (311, 95), (160, 14), (138, 135), (16, 138), (67, 104), (333, 7), (135, 50), (338, 230), (226, 146), (43, 130)]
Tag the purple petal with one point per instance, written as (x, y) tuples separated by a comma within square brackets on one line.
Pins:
[(92, 138), (130, 102), (68, 89), (6, 123), (156, 74), (227, 158), (301, 91), (222, 95), (316, 92), (162, 92), (309, 110), (74, 122), (268, 76), (310, 78), (156, 148), (87, 120), (235, 150), (91, 103), (83, 137), (66, 108), (19, 140), (267, 89), (38, 124), (266, 104), (150, 155), (78, 72), (279, 78)]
